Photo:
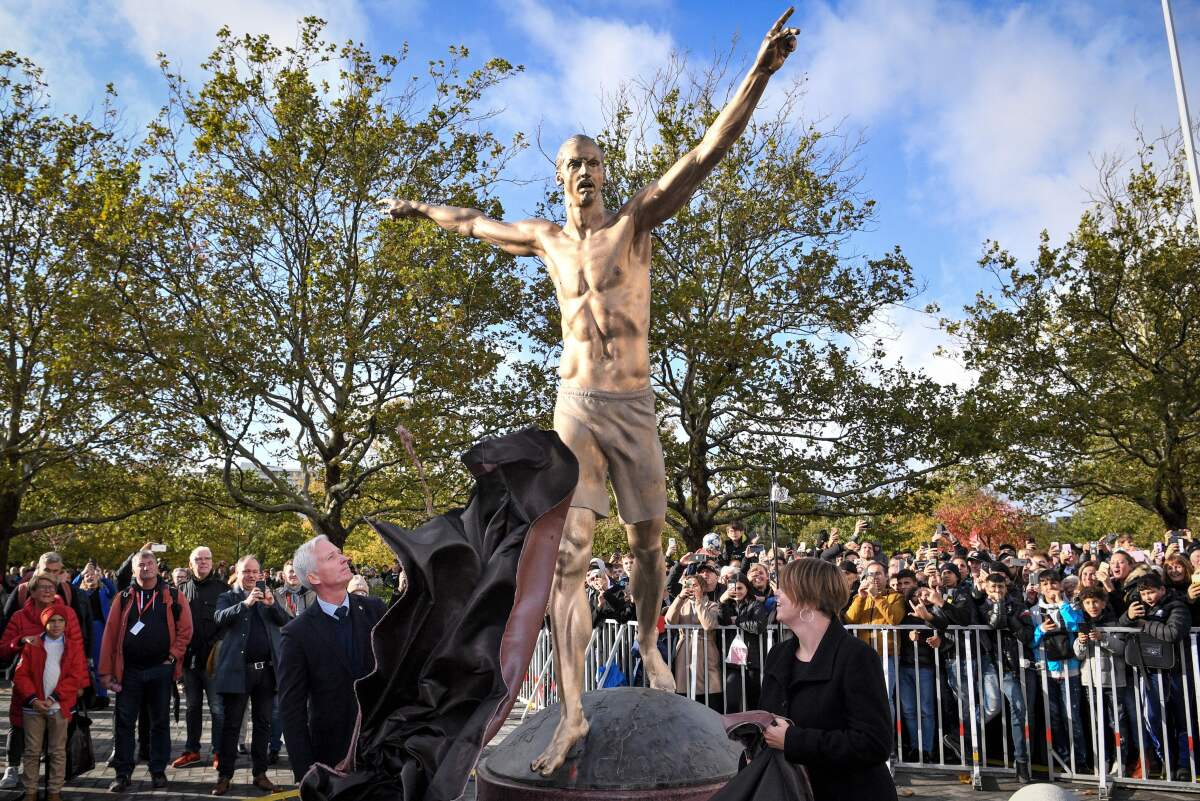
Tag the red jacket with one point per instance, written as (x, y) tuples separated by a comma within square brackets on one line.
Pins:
[(112, 647), (28, 621), (31, 667)]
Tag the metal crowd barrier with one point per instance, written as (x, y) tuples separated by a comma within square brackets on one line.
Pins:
[(1107, 732)]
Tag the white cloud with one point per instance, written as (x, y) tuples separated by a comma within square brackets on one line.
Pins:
[(914, 338), (186, 31), (587, 57), (1000, 113)]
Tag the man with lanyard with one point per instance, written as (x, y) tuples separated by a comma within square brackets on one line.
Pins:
[(202, 591), (141, 657)]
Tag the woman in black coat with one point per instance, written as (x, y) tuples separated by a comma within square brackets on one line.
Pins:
[(827, 689)]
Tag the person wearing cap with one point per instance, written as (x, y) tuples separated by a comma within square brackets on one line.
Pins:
[(47, 680), (1164, 621), (607, 600), (1056, 626), (1008, 614), (711, 580), (953, 605)]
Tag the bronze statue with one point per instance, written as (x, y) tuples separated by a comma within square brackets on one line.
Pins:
[(600, 264)]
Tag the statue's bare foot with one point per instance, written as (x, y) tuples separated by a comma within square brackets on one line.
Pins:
[(564, 739), (657, 672)]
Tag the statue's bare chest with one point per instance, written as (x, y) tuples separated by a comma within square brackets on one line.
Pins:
[(602, 262)]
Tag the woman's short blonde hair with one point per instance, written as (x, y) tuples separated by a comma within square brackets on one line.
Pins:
[(814, 583)]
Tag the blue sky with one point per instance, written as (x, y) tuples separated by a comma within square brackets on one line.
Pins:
[(981, 120)]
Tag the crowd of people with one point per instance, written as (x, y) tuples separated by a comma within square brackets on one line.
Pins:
[(1097, 634), (224, 637)]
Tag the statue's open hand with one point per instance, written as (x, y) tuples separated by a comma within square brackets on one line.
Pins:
[(778, 44), (396, 208)]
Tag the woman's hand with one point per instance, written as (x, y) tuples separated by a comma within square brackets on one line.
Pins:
[(776, 733)]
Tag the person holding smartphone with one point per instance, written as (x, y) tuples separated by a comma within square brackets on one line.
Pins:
[(249, 620)]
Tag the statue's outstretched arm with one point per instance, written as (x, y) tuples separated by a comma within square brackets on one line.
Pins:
[(662, 198), (518, 238)]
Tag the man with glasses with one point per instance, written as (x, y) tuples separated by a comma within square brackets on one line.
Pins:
[(202, 590)]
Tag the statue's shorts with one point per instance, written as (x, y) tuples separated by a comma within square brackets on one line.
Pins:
[(614, 433)]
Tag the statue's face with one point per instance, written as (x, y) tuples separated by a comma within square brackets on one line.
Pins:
[(580, 172)]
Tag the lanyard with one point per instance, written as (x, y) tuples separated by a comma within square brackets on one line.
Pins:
[(142, 607)]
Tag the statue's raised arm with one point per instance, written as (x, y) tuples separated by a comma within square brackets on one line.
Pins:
[(520, 238), (662, 198)]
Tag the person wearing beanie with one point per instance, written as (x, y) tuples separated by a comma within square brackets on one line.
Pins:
[(1164, 620), (47, 679)]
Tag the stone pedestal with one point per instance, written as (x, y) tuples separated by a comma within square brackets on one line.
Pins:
[(643, 744)]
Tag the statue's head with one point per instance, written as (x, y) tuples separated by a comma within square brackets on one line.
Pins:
[(579, 170)]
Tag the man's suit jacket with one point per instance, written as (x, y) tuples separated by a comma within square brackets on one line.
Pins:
[(316, 686)]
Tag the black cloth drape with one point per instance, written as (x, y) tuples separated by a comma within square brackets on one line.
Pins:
[(451, 653), (764, 773)]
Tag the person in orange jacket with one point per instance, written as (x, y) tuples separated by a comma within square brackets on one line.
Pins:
[(48, 677), (24, 628)]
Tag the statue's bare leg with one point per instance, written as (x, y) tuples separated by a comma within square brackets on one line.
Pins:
[(571, 628), (647, 584)]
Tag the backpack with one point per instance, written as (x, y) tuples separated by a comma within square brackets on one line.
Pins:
[(176, 609), (1149, 653)]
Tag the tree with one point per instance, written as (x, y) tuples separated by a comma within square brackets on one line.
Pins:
[(298, 337), (61, 401), (762, 359), (1089, 356), (981, 519)]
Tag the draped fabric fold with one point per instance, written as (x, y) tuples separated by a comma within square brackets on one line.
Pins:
[(451, 653), (764, 773)]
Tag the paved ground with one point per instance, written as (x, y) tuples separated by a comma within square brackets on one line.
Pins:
[(195, 782)]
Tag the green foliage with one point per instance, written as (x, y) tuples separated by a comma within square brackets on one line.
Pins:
[(1097, 519), (1088, 357), (289, 332), (62, 400)]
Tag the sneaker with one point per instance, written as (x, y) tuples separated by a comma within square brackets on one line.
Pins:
[(1023, 773), (1183, 775), (186, 758), (159, 781), (951, 744), (119, 784), (242, 749), (11, 780)]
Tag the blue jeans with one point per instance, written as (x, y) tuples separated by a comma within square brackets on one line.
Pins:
[(987, 698), (151, 686), (1010, 685), (1176, 721), (924, 735), (197, 687), (1065, 697)]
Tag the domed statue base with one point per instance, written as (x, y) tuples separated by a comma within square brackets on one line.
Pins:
[(643, 744)]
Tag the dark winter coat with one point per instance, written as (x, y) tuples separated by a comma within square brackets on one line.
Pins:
[(1169, 622), (1011, 617), (233, 618), (841, 722)]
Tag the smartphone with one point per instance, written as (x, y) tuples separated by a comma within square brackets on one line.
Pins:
[(671, 543), (919, 565), (1054, 544), (804, 547), (1095, 546), (1066, 549), (157, 547), (1159, 547), (261, 585)]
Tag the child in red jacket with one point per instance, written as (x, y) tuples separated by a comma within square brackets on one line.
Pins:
[(48, 678)]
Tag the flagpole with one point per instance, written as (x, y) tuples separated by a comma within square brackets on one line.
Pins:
[(1185, 118)]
